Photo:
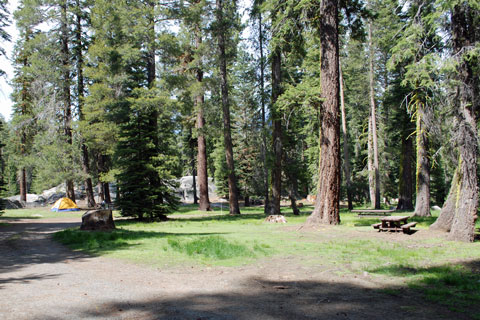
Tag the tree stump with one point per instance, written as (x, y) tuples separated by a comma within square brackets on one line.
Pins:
[(98, 220)]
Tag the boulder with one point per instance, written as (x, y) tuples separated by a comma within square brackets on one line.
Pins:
[(275, 218), (101, 219), (13, 204), (54, 197)]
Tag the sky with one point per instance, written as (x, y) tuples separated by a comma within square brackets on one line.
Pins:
[(6, 65)]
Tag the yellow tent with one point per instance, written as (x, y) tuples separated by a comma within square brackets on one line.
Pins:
[(64, 204)]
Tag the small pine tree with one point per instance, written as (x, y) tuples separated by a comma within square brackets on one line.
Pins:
[(144, 178)]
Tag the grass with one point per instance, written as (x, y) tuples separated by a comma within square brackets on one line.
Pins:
[(443, 272), (38, 213)]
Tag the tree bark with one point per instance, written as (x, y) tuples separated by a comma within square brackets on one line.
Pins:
[(422, 202), (405, 184), (445, 219), (463, 36), (81, 96), (373, 117), (23, 184), (327, 204), (346, 154), (264, 128), (204, 204), (67, 105), (277, 134), (232, 184), (371, 172)]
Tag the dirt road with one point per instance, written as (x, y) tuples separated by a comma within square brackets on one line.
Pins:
[(41, 279)]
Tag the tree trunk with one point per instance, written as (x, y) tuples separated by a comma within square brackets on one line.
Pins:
[(81, 95), (371, 172), (23, 184), (232, 184), (106, 192), (264, 128), (194, 183), (422, 202), (101, 194), (373, 117), (277, 134), (201, 141), (463, 36), (405, 184), (327, 204), (67, 107), (445, 219), (346, 154)]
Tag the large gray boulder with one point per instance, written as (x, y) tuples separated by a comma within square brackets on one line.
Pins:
[(13, 204), (101, 219)]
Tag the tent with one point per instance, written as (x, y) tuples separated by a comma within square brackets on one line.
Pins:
[(64, 204)]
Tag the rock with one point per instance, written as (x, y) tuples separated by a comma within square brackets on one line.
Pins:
[(13, 204), (97, 220), (55, 196), (276, 219), (31, 197), (436, 208)]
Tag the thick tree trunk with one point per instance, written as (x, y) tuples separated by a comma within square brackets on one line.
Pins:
[(373, 117), (346, 154), (445, 219), (67, 105), (232, 184), (264, 128), (405, 184), (422, 202), (327, 204), (277, 135), (81, 95), (459, 212), (464, 38)]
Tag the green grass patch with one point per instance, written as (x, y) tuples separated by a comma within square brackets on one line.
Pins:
[(455, 286), (38, 213), (212, 247)]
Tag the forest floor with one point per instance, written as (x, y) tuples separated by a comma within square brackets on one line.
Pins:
[(43, 279)]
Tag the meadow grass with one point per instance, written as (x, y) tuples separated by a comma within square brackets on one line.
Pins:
[(38, 213)]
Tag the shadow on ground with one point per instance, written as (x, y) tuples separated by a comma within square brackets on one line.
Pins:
[(259, 298), (28, 243)]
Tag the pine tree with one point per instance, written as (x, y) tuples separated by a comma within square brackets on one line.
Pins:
[(145, 183), (328, 196), (225, 15)]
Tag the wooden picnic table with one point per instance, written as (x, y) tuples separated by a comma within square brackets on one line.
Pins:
[(394, 223)]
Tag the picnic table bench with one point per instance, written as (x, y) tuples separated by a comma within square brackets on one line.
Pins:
[(394, 223)]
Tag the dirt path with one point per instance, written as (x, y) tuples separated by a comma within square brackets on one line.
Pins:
[(41, 279)]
